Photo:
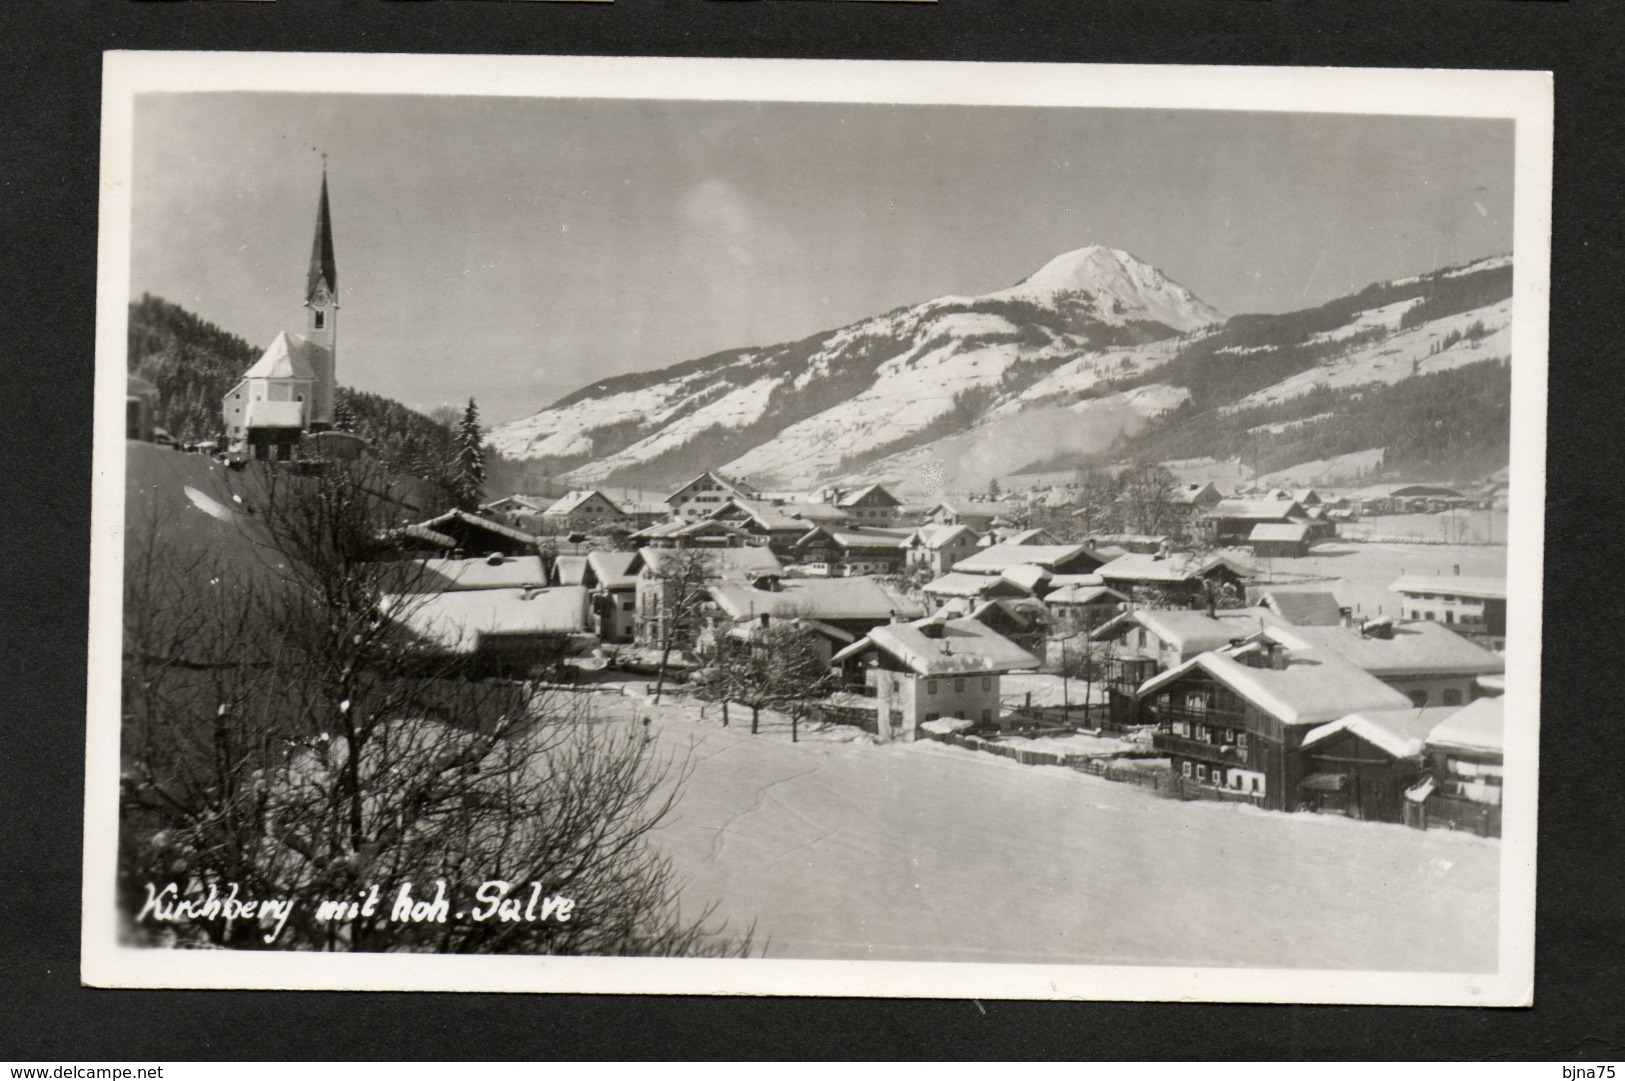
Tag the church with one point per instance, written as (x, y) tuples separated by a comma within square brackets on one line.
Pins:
[(289, 392)]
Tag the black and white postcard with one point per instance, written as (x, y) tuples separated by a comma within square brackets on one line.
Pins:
[(817, 528)]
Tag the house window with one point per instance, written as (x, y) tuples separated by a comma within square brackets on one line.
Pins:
[(932, 716), (1452, 696), (959, 685), (1450, 617), (930, 686), (1185, 768), (1201, 772), (1201, 732), (987, 683), (1181, 728), (1218, 776), (1241, 740), (1230, 735), (321, 319), (1419, 699)]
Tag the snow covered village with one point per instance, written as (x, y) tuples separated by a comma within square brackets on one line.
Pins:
[(1070, 621)]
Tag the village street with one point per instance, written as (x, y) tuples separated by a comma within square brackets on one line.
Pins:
[(840, 848)]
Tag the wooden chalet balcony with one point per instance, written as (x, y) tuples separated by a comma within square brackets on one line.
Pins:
[(1171, 713), (1230, 754)]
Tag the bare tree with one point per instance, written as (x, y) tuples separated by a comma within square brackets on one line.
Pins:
[(1078, 656), (677, 605), (285, 736), (1146, 500), (776, 664)]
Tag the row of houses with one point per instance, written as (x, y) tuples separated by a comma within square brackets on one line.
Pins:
[(1284, 687)]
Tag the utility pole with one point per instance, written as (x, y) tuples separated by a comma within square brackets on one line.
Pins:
[(1066, 698)]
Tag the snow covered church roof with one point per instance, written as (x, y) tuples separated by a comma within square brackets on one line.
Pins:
[(287, 357)]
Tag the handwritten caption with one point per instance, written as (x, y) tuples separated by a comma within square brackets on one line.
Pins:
[(494, 899)]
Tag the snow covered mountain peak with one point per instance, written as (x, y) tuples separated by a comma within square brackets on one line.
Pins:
[(1118, 286)]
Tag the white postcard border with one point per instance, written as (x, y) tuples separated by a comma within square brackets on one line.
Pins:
[(1525, 97)]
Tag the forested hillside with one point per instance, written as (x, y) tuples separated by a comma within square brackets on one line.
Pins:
[(1446, 425), (194, 363)]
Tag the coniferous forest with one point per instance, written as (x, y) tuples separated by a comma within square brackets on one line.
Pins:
[(194, 363)]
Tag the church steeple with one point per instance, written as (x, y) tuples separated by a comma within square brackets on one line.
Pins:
[(323, 266), (322, 316)]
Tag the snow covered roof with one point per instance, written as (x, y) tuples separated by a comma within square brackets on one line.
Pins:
[(1030, 536), (516, 502), (1264, 510), (998, 558), (858, 537), (1418, 648), (1178, 567), (852, 499), (749, 629), (460, 620), (817, 598), (1191, 631), (573, 501), (264, 414), (1312, 686), (1291, 532), (1452, 585), (1059, 580), (502, 572), (935, 647), (719, 562), (975, 508), (955, 584), (570, 570), (1194, 492), (1082, 595), (611, 568), (1304, 607), (1027, 576), (1027, 611), (424, 534), (764, 514), (814, 513), (937, 536), (479, 522), (1477, 726), (736, 487), (1399, 732), (287, 357)]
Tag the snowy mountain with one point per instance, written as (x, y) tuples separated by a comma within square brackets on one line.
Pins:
[(788, 415), (1095, 349)]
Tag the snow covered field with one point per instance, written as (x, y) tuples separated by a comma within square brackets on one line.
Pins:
[(840, 848), (1360, 573)]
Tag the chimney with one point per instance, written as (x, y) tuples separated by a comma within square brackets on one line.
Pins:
[(764, 620)]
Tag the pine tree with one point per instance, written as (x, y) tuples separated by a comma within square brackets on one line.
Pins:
[(468, 463), (344, 418)]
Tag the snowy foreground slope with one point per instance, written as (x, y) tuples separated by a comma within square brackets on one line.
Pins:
[(838, 848)]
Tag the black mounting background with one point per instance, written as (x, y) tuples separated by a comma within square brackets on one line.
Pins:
[(50, 60)]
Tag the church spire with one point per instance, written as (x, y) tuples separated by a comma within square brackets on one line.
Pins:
[(323, 266)]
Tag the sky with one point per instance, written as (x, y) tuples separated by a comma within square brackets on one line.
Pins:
[(514, 250)]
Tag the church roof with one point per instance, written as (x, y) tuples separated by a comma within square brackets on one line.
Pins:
[(287, 357), (322, 263)]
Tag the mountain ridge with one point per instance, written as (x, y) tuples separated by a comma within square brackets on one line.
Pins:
[(787, 411)]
